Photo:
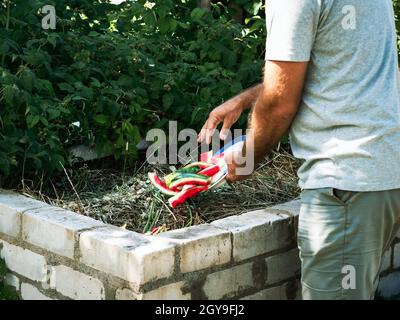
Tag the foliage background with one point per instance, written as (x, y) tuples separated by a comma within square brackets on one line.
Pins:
[(117, 70)]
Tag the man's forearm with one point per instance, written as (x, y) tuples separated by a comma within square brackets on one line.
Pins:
[(269, 121), (248, 98)]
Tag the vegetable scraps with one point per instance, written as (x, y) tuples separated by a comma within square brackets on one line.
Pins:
[(196, 177), (186, 182)]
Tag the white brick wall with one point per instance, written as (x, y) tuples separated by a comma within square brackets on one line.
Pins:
[(24, 262), (255, 233), (29, 292), (128, 255), (282, 266), (76, 285), (201, 246), (55, 229), (169, 292), (293, 207), (141, 259), (274, 293), (126, 294), (228, 282), (11, 206)]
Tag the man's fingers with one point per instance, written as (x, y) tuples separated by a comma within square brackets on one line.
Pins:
[(205, 135), (210, 128), (209, 134), (202, 133), (225, 131)]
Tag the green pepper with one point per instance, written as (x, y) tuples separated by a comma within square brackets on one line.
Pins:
[(172, 176)]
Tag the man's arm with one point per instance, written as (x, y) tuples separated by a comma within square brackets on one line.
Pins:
[(248, 98), (274, 110), (228, 113)]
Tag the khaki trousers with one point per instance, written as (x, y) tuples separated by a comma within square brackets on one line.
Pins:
[(342, 237)]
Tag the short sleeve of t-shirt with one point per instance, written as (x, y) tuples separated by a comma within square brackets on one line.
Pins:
[(292, 26)]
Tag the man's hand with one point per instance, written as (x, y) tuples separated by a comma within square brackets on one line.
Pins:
[(227, 114), (232, 159)]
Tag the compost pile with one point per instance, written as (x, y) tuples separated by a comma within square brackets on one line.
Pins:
[(126, 199)]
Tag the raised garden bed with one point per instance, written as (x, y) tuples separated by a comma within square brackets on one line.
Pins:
[(232, 251), (52, 253)]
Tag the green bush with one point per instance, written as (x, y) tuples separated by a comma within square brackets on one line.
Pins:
[(117, 71)]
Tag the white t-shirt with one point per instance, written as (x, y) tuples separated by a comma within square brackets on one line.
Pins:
[(348, 126)]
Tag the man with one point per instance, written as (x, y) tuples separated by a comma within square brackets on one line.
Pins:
[(331, 77)]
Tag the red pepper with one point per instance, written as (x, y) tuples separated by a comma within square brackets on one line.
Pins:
[(211, 171), (182, 196)]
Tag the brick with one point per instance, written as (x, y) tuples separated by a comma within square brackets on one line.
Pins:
[(389, 286), (55, 229), (201, 247), (126, 294), (76, 285), (386, 260), (131, 256), (12, 205), (24, 262), (256, 233), (291, 207), (12, 280), (229, 283), (169, 292), (274, 293), (282, 266), (396, 259), (29, 292)]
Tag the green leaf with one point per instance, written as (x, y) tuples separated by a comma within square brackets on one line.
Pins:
[(44, 121), (66, 87), (183, 25), (125, 81), (27, 80), (53, 113), (4, 48), (32, 120), (44, 86), (78, 98), (52, 39), (10, 92), (140, 91), (197, 14), (168, 100), (101, 119)]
